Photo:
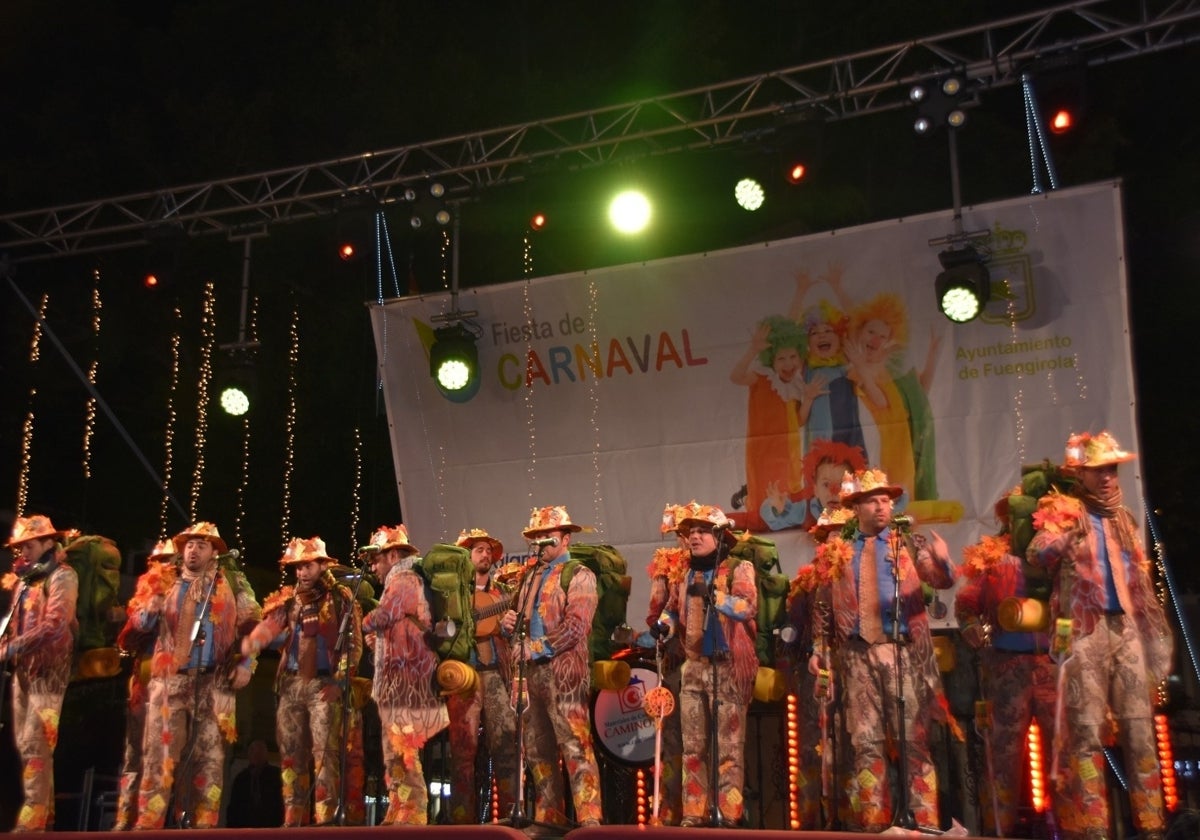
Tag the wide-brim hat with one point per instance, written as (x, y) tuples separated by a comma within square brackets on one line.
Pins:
[(467, 540), (300, 550), (706, 516), (1099, 450), (386, 537), (550, 518), (831, 519), (200, 531), (858, 485), (163, 549), (34, 527)]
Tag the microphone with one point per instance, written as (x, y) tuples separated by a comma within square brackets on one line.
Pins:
[(544, 542), (903, 521)]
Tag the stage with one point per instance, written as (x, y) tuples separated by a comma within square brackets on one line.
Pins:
[(500, 832)]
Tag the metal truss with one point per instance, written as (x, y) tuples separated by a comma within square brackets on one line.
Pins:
[(989, 56)]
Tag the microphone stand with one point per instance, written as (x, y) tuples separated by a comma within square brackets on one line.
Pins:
[(902, 815), (518, 818), (199, 638), (340, 649)]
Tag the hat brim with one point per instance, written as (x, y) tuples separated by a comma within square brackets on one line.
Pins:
[(497, 546), (893, 492), (52, 535), (405, 549), (1124, 458), (727, 533), (533, 532), (180, 540)]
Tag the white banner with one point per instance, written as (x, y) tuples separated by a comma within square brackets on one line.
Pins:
[(614, 392)]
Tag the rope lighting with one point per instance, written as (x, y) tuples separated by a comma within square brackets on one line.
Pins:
[(641, 798), (35, 355), (289, 456), (169, 431), (208, 342), (1034, 749), (89, 417), (1166, 762), (793, 761)]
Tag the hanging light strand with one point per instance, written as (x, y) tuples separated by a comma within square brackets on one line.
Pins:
[(35, 355), (355, 505), (208, 340), (169, 431), (594, 398), (289, 457), (1039, 150), (530, 419), (89, 417), (244, 484)]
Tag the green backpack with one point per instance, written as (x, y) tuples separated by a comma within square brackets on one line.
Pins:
[(97, 563), (1036, 481), (450, 588), (772, 593), (612, 590)]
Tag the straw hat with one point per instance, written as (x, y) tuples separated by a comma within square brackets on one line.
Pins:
[(34, 527), (858, 485), (200, 531), (549, 518), (391, 537), (706, 515), (831, 519), (467, 540), (300, 551), (1100, 450)]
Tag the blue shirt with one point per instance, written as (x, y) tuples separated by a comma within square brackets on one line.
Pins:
[(884, 581), (202, 655)]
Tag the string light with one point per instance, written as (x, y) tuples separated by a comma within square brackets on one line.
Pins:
[(793, 761), (169, 431), (530, 419), (289, 457), (35, 355), (1034, 749), (1166, 762), (208, 340), (89, 418), (594, 397), (641, 798), (243, 485), (527, 255), (1019, 396), (355, 507)]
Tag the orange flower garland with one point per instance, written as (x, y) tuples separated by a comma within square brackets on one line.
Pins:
[(1057, 513), (989, 551), (670, 563)]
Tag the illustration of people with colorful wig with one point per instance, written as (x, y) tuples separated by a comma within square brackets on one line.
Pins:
[(832, 413), (895, 398), (772, 368), (824, 465)]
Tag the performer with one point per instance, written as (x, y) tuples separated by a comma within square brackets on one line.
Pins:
[(1120, 645), (139, 647), (1017, 676), (196, 615), (860, 620), (410, 711), (37, 640), (713, 608), (305, 622), (667, 568), (489, 699), (552, 642), (814, 691)]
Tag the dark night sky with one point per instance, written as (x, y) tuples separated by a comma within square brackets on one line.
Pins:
[(105, 98)]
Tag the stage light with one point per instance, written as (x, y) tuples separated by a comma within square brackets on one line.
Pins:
[(1061, 121), (150, 281), (749, 194), (437, 189), (454, 362), (964, 285), (940, 105), (442, 217), (537, 221), (630, 212), (796, 173), (346, 251), (235, 401)]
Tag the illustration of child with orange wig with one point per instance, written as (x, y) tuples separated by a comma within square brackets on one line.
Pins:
[(824, 465)]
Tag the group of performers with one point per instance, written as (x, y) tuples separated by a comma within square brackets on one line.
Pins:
[(861, 659)]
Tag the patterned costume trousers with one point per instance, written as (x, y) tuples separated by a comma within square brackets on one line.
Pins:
[(557, 721), (1107, 670), (183, 736), (868, 683), (490, 702), (408, 796), (131, 763), (308, 729), (696, 693), (35, 720)]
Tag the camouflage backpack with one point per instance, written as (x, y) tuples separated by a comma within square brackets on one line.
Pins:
[(450, 588), (772, 587), (612, 591)]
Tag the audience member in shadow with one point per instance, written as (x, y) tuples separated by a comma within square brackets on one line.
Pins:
[(256, 800)]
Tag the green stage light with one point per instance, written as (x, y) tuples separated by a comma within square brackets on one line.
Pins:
[(454, 362), (630, 211), (964, 286), (235, 401), (749, 194)]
